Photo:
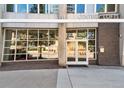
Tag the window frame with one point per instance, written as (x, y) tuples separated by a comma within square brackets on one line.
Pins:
[(27, 41), (105, 11)]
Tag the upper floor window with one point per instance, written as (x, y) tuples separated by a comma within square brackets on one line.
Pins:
[(54, 8), (21, 8), (106, 8), (10, 8), (42, 8), (110, 7), (70, 8), (33, 8), (100, 8), (75, 8), (80, 8)]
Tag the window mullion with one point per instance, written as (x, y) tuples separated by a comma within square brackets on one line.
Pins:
[(105, 8), (3, 45), (27, 8), (75, 8), (38, 8), (85, 8), (15, 7), (15, 46)]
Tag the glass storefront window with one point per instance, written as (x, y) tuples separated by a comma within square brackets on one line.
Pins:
[(9, 51), (22, 8), (100, 7), (71, 51), (43, 50), (43, 34), (10, 8), (21, 46), (32, 53), (10, 44), (33, 34), (21, 57), (91, 34), (82, 34), (33, 8), (53, 34), (10, 35), (22, 35), (91, 49), (70, 8), (8, 57), (53, 49), (30, 44), (80, 8), (110, 7), (71, 34)]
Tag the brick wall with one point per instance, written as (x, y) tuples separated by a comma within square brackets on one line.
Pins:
[(108, 37)]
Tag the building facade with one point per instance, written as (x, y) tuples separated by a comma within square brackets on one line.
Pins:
[(69, 43)]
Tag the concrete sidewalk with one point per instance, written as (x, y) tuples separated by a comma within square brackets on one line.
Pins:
[(73, 77), (45, 78), (93, 77)]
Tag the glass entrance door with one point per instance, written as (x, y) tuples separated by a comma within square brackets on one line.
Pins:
[(77, 52)]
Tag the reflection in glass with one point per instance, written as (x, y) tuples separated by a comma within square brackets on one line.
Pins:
[(80, 8), (100, 7), (54, 8), (71, 51), (32, 53), (43, 49), (42, 8), (53, 49), (53, 34), (91, 34), (110, 7), (91, 55), (9, 51), (71, 34), (43, 34), (10, 44), (21, 47), (33, 35), (82, 34), (70, 8), (22, 35), (81, 51), (32, 43), (10, 8), (22, 8), (91, 49), (8, 57), (33, 8), (21, 57), (10, 34)]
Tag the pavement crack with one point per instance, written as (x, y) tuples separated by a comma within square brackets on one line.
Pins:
[(69, 77)]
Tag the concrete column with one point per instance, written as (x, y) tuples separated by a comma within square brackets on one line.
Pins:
[(122, 44), (0, 34), (121, 8), (62, 36)]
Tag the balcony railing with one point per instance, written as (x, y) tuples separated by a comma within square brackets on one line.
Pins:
[(108, 16)]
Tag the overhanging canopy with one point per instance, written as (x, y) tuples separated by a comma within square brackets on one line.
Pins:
[(61, 20)]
